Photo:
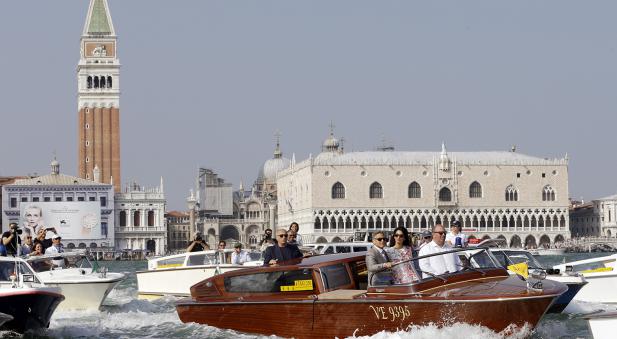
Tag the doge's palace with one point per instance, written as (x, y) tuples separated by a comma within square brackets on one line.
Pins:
[(502, 194)]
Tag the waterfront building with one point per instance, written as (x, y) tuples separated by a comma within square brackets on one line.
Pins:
[(7, 181), (98, 95), (596, 218), (140, 219), (80, 209), (503, 194), (250, 213), (178, 235)]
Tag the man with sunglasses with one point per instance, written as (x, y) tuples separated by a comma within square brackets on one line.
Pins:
[(281, 251), (438, 264), (378, 262)]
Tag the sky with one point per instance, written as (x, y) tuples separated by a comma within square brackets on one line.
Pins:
[(208, 83)]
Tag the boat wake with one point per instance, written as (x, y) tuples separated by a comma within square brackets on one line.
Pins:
[(457, 330)]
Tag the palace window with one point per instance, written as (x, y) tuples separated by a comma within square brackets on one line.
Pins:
[(414, 190), (548, 194), (475, 190), (511, 193), (376, 191), (445, 194), (338, 191)]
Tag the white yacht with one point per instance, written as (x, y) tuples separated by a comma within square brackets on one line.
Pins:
[(175, 274), (83, 284), (601, 275)]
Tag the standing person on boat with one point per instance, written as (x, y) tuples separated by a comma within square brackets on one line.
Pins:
[(198, 244), (37, 250), (427, 237), (401, 250), (11, 240), (239, 256), (438, 264), (55, 248), (28, 245), (378, 261), (282, 251), (292, 238), (296, 229), (267, 241), (456, 238), (41, 237)]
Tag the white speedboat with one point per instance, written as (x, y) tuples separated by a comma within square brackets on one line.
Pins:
[(602, 324), (601, 275), (84, 285), (25, 302), (575, 282), (175, 274), (548, 251)]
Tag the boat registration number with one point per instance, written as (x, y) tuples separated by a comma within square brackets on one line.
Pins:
[(299, 285), (391, 313)]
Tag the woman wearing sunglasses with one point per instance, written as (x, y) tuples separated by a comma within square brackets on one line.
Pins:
[(401, 250)]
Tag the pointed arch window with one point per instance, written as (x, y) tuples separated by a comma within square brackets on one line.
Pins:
[(338, 191), (548, 194), (445, 194), (475, 190), (511, 193), (376, 191), (90, 82), (103, 82), (109, 82), (414, 191), (96, 82)]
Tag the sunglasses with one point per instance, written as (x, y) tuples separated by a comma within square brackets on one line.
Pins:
[(282, 235), (380, 239), (429, 237), (291, 236), (440, 233), (399, 235)]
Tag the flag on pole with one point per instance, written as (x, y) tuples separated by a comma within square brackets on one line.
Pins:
[(520, 269)]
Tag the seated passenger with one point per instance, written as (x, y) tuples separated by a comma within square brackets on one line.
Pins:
[(282, 251), (438, 264), (401, 250), (378, 262), (239, 256)]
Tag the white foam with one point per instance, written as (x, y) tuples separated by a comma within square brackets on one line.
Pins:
[(583, 307), (457, 330)]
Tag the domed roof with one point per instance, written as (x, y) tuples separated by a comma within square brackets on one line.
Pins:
[(272, 166), (331, 142)]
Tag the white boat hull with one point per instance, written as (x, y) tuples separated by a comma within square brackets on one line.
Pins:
[(602, 325), (600, 288), (176, 281), (81, 293)]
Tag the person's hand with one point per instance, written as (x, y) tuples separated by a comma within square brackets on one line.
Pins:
[(272, 262), (387, 265)]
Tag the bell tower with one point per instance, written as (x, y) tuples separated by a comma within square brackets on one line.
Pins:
[(98, 88)]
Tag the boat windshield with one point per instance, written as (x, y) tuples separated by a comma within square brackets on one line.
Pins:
[(507, 258), (605, 265), (297, 280), (216, 258), (7, 268), (43, 264)]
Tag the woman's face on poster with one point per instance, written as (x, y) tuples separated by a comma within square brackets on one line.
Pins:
[(33, 216)]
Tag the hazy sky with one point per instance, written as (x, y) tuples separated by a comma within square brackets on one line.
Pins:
[(207, 83)]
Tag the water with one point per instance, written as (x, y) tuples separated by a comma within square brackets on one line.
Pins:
[(124, 316)]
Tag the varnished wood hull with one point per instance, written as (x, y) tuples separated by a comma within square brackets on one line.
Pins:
[(342, 318)]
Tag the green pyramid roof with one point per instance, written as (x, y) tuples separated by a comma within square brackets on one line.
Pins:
[(98, 19)]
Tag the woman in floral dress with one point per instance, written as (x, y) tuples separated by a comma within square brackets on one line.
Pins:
[(401, 250)]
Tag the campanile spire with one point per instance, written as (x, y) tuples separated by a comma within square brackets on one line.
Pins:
[(98, 87)]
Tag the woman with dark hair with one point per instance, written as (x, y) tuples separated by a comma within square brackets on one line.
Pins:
[(401, 250)]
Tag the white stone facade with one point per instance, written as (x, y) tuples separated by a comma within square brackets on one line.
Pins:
[(597, 218), (140, 219), (520, 198)]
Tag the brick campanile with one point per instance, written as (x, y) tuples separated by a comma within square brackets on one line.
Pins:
[(98, 83)]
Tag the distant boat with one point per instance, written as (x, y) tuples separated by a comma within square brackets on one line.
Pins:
[(175, 274), (327, 296), (601, 275), (82, 284), (547, 251)]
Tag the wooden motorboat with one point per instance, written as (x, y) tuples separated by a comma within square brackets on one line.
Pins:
[(26, 302), (575, 282), (327, 297)]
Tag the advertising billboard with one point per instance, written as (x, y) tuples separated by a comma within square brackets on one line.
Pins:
[(72, 220)]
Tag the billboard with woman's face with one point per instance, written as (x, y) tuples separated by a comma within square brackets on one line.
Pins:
[(72, 220)]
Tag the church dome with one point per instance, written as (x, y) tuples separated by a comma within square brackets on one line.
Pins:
[(272, 166)]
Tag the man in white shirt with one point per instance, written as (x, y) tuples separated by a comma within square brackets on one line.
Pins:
[(56, 247), (438, 264), (456, 233), (239, 256)]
